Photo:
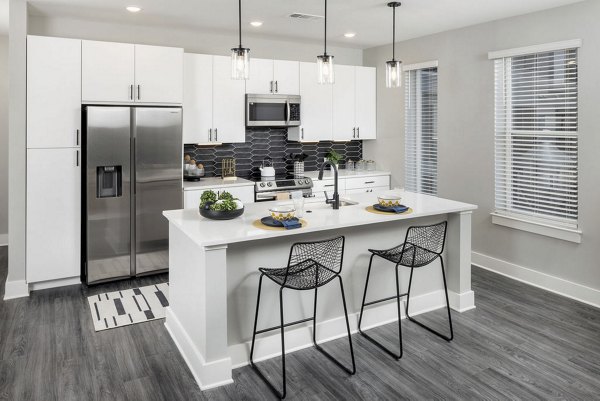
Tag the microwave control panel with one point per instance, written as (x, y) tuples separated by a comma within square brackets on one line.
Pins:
[(294, 112)]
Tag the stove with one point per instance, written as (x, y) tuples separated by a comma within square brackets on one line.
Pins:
[(266, 190)]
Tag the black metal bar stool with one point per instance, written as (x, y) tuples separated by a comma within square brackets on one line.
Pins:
[(310, 265), (422, 246)]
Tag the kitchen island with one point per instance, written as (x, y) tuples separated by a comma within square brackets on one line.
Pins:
[(214, 277)]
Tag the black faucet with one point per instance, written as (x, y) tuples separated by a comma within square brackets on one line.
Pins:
[(335, 200)]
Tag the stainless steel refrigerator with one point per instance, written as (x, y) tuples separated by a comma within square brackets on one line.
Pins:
[(133, 159)]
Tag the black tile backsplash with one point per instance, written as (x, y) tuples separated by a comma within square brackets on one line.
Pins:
[(269, 142)]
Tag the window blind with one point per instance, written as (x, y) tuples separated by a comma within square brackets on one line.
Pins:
[(421, 94), (536, 137)]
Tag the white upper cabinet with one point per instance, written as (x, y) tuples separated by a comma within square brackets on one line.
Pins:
[(197, 98), (316, 108), (53, 92), (158, 74), (273, 77), (213, 104), (261, 77), (229, 118), (344, 127), (286, 75), (107, 73), (366, 102), (126, 73)]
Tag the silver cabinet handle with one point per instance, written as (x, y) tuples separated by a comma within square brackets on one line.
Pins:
[(354, 132), (358, 132), (216, 135), (302, 130), (77, 158), (369, 182), (131, 92), (271, 89), (210, 135), (139, 94), (77, 137), (276, 86)]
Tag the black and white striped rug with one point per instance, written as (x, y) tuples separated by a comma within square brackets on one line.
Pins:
[(122, 308)]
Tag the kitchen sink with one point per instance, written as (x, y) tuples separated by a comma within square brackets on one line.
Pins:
[(347, 202)]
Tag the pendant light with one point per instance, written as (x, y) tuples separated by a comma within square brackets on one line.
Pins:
[(240, 56), (393, 68), (325, 73)]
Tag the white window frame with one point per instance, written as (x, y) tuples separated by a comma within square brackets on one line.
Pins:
[(405, 69), (528, 223)]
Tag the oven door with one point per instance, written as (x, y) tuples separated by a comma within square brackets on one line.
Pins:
[(267, 111)]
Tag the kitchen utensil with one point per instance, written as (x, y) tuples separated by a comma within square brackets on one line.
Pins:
[(389, 200), (267, 170)]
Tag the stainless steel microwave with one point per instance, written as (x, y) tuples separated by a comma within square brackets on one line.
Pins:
[(272, 110)]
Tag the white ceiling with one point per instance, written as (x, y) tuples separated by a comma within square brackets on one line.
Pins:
[(369, 19), (3, 17)]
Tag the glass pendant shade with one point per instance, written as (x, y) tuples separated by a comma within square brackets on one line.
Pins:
[(393, 74), (240, 63), (325, 73)]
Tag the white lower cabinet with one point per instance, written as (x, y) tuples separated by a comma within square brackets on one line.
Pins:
[(350, 185), (191, 198), (53, 214)]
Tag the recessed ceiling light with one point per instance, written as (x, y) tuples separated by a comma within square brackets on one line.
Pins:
[(349, 34), (256, 24), (133, 9)]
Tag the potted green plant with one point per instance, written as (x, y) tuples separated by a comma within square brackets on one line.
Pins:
[(222, 207), (334, 157)]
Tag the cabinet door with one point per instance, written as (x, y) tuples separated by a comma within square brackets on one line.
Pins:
[(229, 125), (53, 92), (286, 75), (343, 103), (158, 74), (316, 109), (261, 77), (197, 98), (107, 73), (366, 102), (53, 214)]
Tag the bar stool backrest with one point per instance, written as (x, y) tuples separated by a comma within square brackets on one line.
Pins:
[(329, 253), (431, 238)]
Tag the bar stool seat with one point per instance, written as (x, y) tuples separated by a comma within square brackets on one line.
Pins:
[(310, 266), (405, 254), (305, 275)]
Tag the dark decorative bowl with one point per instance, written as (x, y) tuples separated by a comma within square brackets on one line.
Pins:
[(217, 215)]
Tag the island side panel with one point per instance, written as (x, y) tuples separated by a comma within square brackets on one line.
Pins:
[(458, 261), (197, 314)]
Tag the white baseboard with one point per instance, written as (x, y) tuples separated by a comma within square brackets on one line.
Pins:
[(269, 346), (207, 374), (3, 239), (16, 289), (44, 285), (588, 295)]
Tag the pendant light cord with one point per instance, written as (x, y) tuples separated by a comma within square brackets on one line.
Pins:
[(394, 35), (240, 21), (325, 39)]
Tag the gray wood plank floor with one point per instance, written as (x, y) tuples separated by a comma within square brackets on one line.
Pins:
[(520, 343)]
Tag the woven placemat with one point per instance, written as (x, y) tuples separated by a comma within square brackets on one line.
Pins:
[(259, 224), (371, 209)]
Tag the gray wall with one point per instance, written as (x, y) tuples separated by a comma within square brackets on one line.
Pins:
[(3, 140), (191, 40), (466, 125)]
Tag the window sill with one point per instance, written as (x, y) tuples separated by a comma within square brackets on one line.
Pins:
[(562, 233)]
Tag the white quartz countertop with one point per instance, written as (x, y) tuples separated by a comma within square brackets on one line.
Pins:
[(215, 182), (207, 232), (327, 174)]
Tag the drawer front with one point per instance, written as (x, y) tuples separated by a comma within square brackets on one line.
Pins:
[(327, 185), (368, 182), (375, 190)]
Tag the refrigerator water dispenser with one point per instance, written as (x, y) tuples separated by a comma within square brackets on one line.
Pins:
[(109, 181)]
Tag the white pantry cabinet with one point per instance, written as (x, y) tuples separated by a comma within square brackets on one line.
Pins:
[(128, 73), (213, 104), (316, 109), (53, 92), (53, 214), (191, 198), (273, 77)]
